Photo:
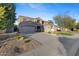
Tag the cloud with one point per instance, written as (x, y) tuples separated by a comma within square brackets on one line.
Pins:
[(38, 6)]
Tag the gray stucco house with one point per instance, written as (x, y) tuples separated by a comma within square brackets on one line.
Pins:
[(31, 25)]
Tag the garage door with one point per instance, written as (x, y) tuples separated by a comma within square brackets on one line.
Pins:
[(28, 29)]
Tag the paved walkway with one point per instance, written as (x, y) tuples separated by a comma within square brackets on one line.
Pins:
[(50, 46)]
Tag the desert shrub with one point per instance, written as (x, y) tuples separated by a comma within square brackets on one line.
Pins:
[(19, 37)]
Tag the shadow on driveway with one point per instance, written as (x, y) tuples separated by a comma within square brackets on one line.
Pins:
[(71, 45)]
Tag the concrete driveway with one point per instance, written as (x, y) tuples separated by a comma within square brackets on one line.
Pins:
[(50, 46), (55, 45)]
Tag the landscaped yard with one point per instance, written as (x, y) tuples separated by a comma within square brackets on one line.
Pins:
[(12, 44), (64, 33)]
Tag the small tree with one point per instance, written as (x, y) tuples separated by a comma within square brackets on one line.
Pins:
[(69, 22), (65, 21), (59, 20)]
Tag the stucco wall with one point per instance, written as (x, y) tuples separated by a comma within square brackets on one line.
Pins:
[(47, 28)]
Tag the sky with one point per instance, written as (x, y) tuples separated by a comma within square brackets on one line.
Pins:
[(47, 11)]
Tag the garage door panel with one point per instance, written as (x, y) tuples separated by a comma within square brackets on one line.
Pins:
[(28, 29)]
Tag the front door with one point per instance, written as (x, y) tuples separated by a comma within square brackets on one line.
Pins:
[(38, 28)]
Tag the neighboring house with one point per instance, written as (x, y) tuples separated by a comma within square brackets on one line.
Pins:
[(30, 25), (54, 28), (47, 26)]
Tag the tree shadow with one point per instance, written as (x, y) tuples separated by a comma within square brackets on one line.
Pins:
[(70, 44)]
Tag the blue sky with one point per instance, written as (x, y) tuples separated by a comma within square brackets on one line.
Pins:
[(47, 10)]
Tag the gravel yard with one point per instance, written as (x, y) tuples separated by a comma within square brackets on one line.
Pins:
[(12, 47)]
